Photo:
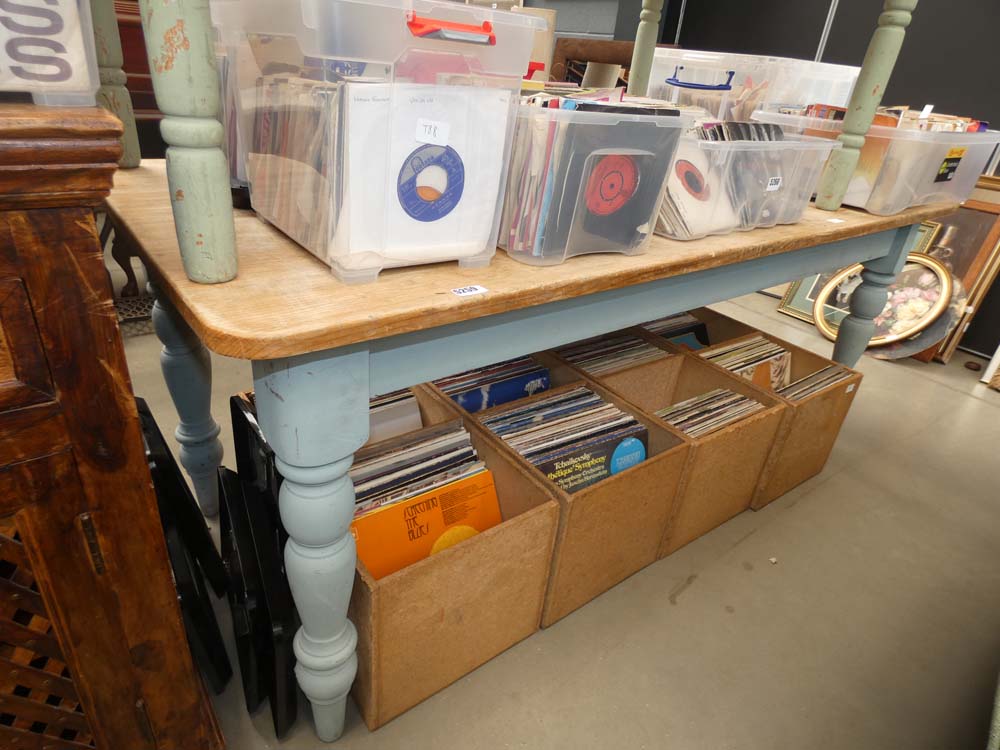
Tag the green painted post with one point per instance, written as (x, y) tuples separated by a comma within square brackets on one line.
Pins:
[(113, 95), (645, 44), (182, 63), (883, 49)]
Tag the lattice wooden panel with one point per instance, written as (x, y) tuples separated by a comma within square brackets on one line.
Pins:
[(39, 709)]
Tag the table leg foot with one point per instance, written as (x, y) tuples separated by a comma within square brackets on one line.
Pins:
[(313, 410), (869, 299), (187, 369)]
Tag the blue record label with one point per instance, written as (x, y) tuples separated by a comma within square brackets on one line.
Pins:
[(431, 182), (627, 454)]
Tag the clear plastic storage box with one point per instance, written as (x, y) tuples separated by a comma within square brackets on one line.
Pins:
[(732, 86), (900, 167), (377, 131), (716, 187), (48, 51), (585, 182)]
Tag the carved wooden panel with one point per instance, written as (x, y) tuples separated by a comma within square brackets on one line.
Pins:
[(24, 374)]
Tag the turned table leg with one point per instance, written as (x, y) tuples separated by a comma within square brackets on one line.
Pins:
[(187, 369), (313, 410), (880, 59), (646, 35), (181, 54), (869, 299), (113, 95)]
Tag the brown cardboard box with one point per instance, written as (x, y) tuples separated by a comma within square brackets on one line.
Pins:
[(723, 467), (809, 430), (427, 625), (612, 529)]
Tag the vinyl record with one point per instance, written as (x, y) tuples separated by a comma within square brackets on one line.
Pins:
[(692, 179), (612, 184), (431, 182)]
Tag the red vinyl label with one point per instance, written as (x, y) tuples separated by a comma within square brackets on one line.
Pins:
[(612, 183)]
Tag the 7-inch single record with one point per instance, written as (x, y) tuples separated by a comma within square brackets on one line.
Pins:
[(612, 184), (431, 182)]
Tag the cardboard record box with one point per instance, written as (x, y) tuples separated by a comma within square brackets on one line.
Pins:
[(724, 466), (432, 622), (608, 530)]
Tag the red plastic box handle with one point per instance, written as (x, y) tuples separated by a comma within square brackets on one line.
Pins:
[(432, 28)]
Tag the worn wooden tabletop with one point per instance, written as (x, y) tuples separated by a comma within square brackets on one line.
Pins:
[(285, 302)]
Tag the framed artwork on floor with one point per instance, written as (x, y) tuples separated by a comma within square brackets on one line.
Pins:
[(800, 298), (969, 247), (918, 296)]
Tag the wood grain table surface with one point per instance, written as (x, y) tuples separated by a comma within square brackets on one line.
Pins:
[(286, 302)]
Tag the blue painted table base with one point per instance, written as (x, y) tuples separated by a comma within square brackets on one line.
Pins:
[(313, 409)]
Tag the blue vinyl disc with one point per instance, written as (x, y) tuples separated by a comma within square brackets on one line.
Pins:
[(431, 182)]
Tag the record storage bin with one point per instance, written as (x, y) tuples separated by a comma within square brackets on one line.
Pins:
[(611, 529), (731, 86), (429, 624), (377, 133), (810, 426), (723, 467), (900, 168), (603, 191), (724, 186)]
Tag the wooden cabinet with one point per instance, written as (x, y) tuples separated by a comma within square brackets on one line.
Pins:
[(92, 647)]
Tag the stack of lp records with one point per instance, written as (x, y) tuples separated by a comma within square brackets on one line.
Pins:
[(369, 175), (585, 178)]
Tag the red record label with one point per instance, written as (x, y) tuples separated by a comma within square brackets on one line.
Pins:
[(692, 179), (612, 183)]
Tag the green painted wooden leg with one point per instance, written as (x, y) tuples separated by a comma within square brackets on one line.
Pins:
[(875, 71), (113, 95), (182, 63), (645, 44), (869, 299)]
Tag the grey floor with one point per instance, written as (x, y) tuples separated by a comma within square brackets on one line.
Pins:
[(878, 626)]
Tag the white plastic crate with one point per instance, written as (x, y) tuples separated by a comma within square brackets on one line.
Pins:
[(717, 187), (47, 50), (377, 131), (732, 86), (585, 182), (900, 167)]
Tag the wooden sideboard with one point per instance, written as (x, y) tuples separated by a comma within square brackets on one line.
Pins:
[(92, 648)]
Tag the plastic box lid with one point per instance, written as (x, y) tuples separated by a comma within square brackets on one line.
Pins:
[(494, 42), (48, 51), (801, 122)]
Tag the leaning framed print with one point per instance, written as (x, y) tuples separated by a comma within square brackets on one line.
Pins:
[(969, 247), (801, 295)]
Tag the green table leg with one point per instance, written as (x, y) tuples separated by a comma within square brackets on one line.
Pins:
[(875, 71), (182, 63), (113, 95)]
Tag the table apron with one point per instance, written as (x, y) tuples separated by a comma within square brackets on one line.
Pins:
[(411, 358)]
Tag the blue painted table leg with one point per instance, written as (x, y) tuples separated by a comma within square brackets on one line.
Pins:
[(869, 299), (187, 369), (313, 410)]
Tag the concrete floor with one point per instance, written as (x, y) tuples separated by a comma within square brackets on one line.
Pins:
[(877, 627)]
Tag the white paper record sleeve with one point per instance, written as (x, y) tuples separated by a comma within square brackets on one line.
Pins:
[(423, 171)]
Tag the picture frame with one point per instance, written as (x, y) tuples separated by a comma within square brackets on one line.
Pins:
[(969, 245), (921, 293), (800, 297)]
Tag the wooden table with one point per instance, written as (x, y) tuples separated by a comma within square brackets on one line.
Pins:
[(320, 349)]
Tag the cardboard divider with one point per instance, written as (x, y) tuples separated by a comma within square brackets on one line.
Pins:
[(724, 466), (721, 329), (430, 623), (611, 529), (810, 427)]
